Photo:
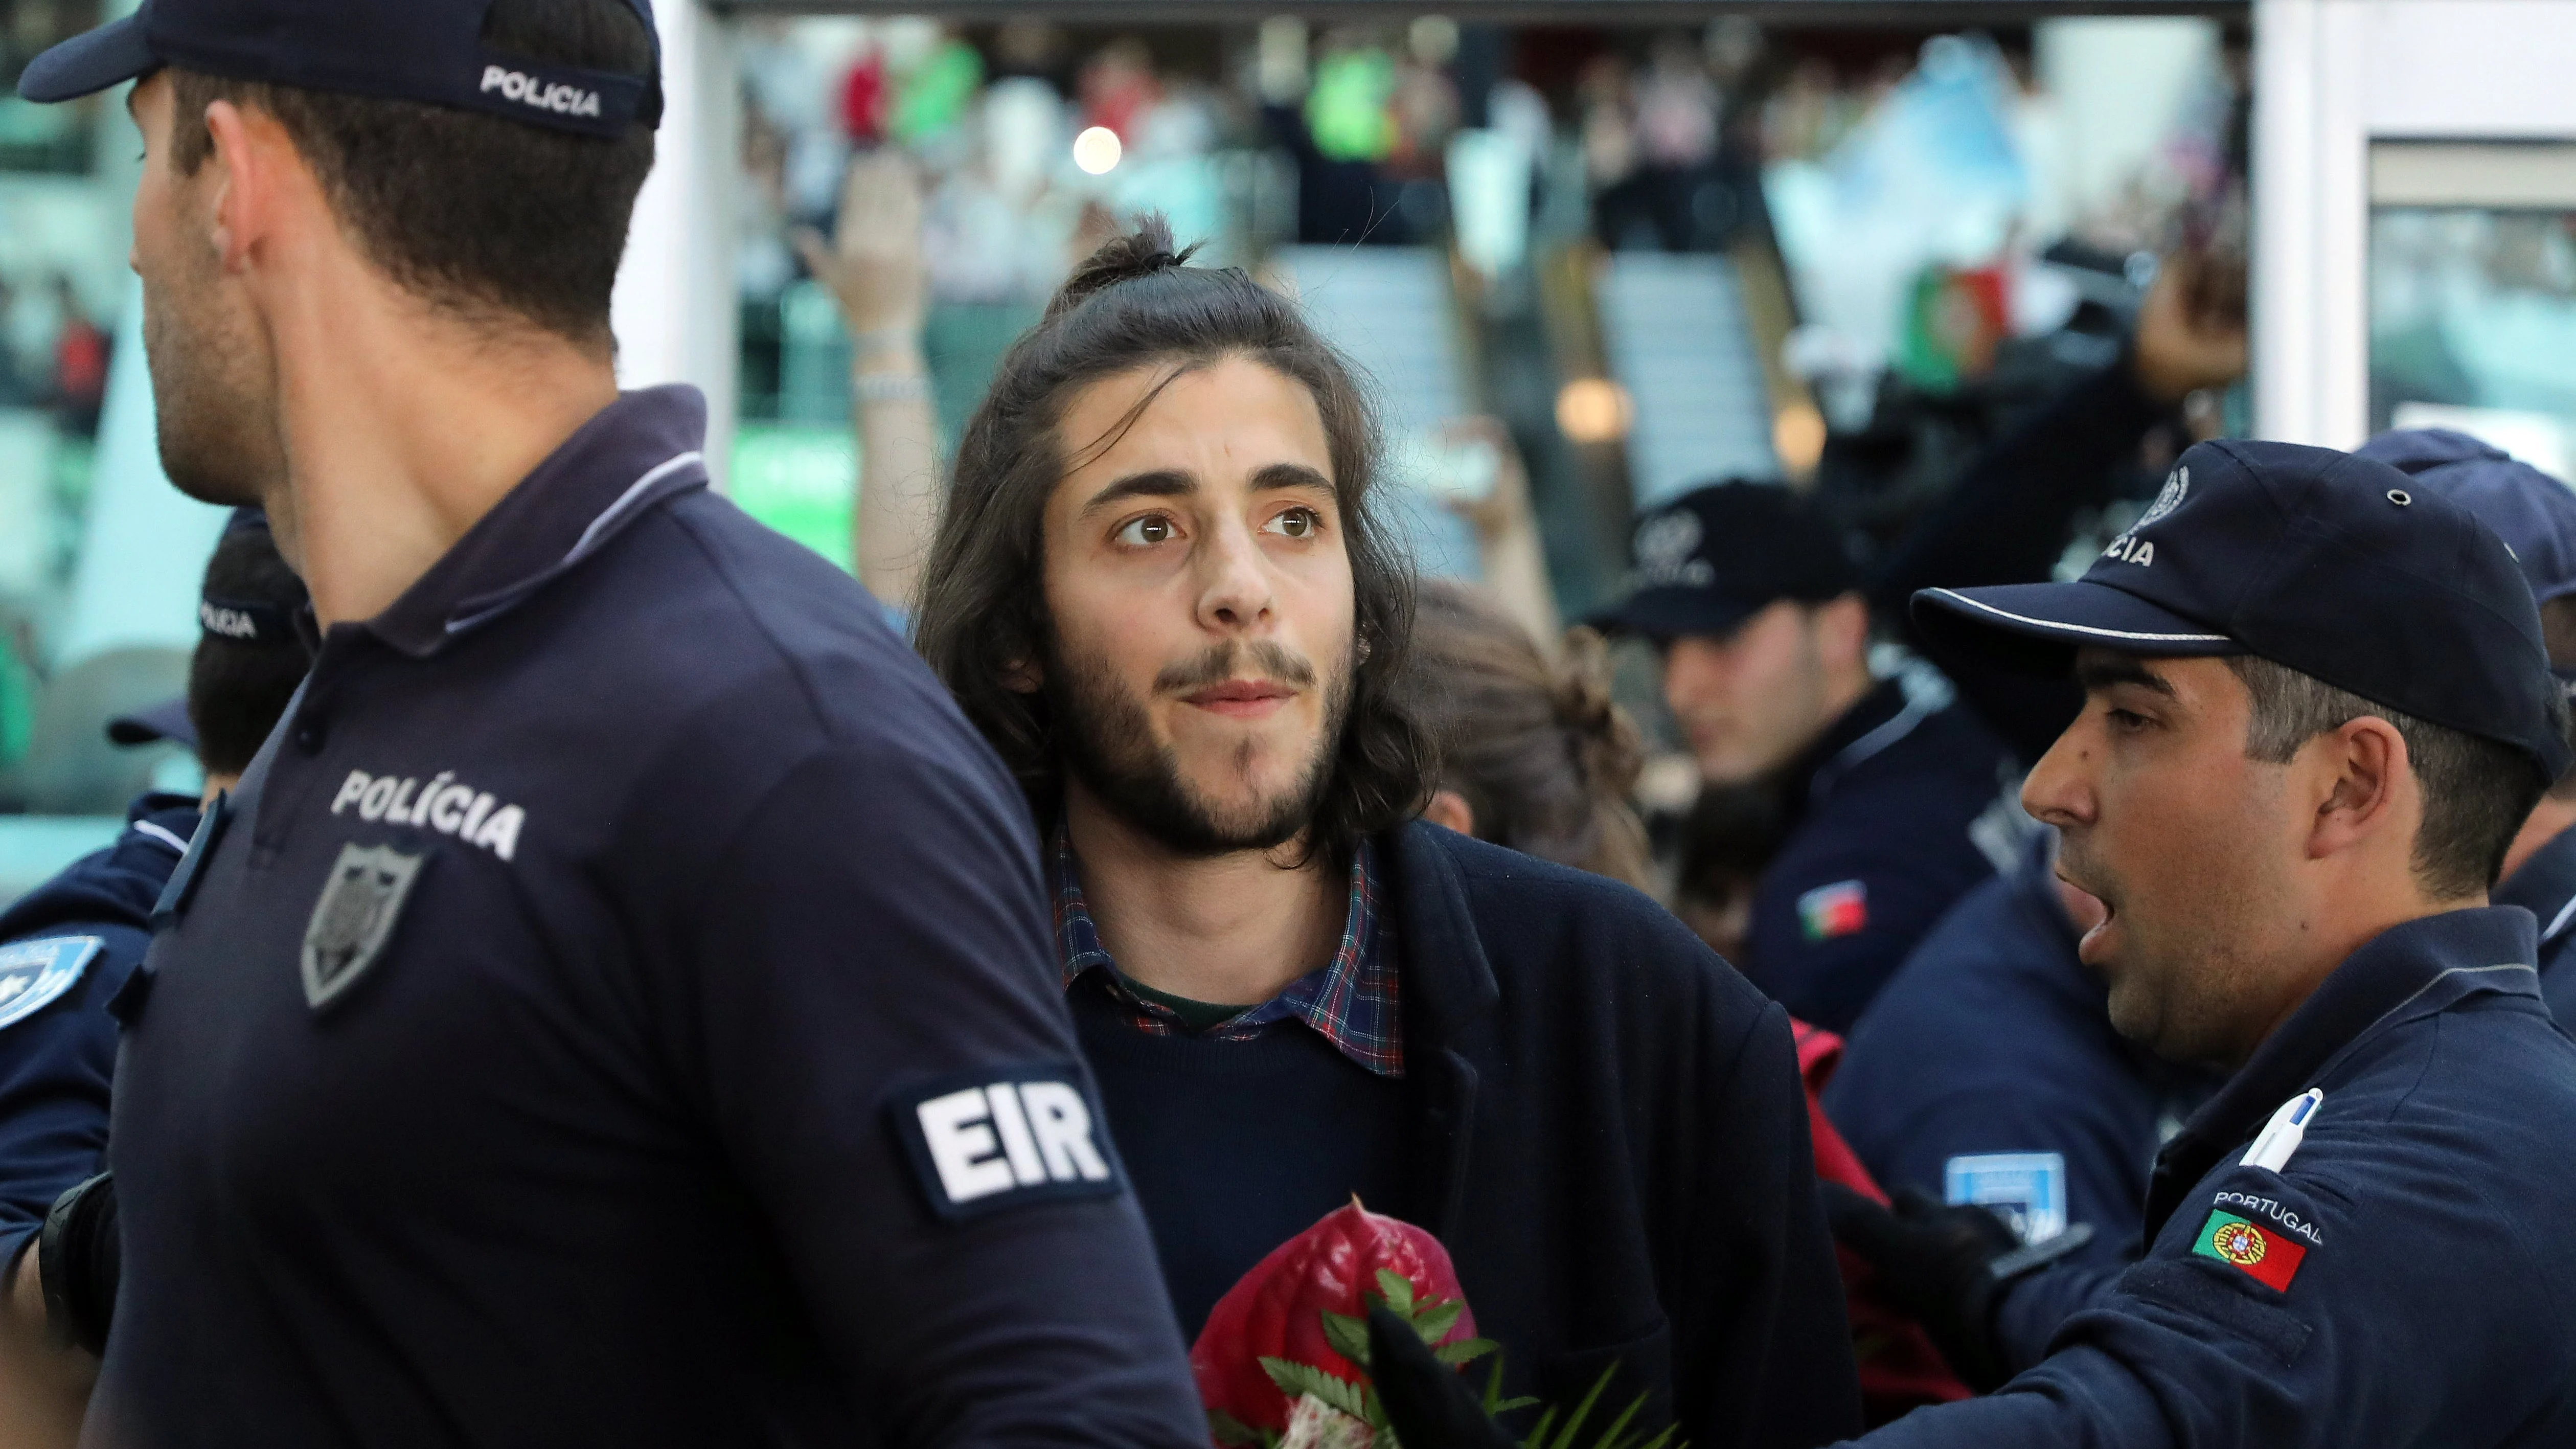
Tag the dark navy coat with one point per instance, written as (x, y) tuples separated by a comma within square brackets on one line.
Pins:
[(1990, 1058), (1904, 804), (2407, 1278), (2546, 887), (91, 924), (1616, 1148), (620, 1011)]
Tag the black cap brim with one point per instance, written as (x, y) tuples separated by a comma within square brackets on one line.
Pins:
[(2039, 626), (1673, 613), (89, 63), (167, 720)]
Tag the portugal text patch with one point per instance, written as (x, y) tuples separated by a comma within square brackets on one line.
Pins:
[(2268, 1257)]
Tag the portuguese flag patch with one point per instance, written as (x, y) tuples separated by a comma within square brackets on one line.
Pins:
[(2269, 1258)]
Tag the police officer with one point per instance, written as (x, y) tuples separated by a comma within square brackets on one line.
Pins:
[(2317, 710), (1988, 1073), (2535, 514), (615, 1007), (1894, 799), (69, 946)]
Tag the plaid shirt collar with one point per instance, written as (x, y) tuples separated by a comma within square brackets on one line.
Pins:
[(1351, 1000)]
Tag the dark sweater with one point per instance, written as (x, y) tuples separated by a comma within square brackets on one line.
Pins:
[(1237, 1146), (1612, 1145)]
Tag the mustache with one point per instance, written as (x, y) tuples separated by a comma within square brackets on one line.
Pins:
[(1217, 665)]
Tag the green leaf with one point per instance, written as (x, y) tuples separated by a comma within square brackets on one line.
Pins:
[(1538, 1435), (1229, 1430), (1465, 1351), (1343, 1395), (1436, 1319), (1348, 1336), (1618, 1429), (1582, 1411), (1398, 1290), (1297, 1378)]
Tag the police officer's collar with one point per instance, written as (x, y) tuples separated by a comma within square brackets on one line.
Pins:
[(2410, 970), (2545, 885), (637, 452)]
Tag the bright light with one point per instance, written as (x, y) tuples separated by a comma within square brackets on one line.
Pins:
[(1096, 150), (1592, 410), (1798, 436)]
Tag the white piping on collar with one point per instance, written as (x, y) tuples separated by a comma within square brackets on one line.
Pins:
[(2558, 923), (160, 833), (590, 537), (626, 500)]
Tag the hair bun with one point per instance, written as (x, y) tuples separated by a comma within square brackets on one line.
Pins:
[(1140, 253), (1605, 741)]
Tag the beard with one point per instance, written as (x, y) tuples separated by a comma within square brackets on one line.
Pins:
[(1107, 741), (217, 422)]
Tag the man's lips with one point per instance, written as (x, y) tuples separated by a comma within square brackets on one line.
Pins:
[(1240, 698), (2092, 915)]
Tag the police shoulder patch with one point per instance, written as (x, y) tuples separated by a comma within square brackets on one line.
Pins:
[(1831, 911), (33, 973), (2027, 1188), (1004, 1137)]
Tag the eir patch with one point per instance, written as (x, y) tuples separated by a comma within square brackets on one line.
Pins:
[(2269, 1258), (1834, 910)]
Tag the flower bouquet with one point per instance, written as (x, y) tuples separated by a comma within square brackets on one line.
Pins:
[(1353, 1335)]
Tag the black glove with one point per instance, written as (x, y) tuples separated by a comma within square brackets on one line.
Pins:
[(78, 1259), (1428, 1403), (1936, 1262)]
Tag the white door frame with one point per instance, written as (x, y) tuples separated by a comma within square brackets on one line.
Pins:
[(2330, 77), (674, 309)]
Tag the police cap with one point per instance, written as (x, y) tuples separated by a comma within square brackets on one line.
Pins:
[(2534, 513), (2340, 567), (404, 50), (1714, 557)]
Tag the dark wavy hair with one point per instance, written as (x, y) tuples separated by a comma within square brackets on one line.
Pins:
[(983, 620)]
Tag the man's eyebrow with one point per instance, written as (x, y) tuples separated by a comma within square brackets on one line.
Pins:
[(2098, 672), (1161, 483), (1290, 475)]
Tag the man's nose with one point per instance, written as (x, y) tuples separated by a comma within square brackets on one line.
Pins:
[(2059, 789), (1694, 675), (1237, 593)]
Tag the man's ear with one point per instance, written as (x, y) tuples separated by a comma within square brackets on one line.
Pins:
[(254, 171), (2365, 777), (1450, 809), (1843, 625), (1021, 676)]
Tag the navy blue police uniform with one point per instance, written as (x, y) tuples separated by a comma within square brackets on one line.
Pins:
[(617, 1008), (2535, 515), (2359, 1239), (2402, 1279), (66, 949), (1905, 804), (1900, 805), (1987, 1072), (2545, 885)]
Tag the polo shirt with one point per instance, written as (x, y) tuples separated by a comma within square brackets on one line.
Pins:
[(2545, 885), (616, 1009), (1902, 805), (2396, 1273), (66, 948)]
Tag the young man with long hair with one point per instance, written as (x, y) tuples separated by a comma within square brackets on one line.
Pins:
[(1163, 589)]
